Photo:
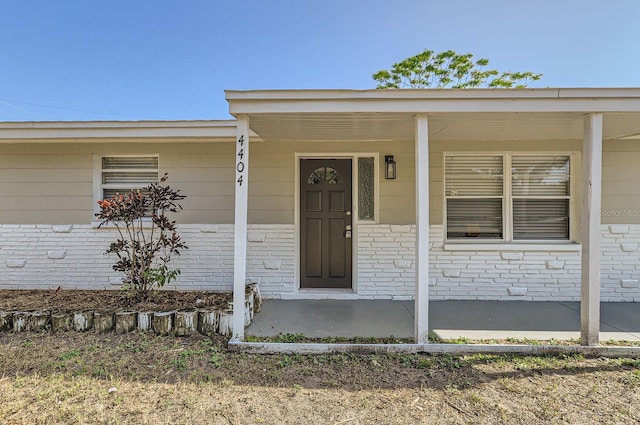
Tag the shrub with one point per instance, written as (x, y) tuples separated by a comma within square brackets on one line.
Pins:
[(147, 237)]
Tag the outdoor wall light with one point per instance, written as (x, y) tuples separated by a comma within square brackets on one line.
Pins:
[(389, 167)]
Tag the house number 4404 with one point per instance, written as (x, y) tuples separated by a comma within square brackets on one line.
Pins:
[(240, 163)]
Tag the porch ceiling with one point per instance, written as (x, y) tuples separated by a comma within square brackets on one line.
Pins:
[(468, 126)]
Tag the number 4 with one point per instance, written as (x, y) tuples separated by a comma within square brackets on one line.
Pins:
[(239, 180), (241, 153)]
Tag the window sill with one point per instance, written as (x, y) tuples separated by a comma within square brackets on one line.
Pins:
[(545, 246)]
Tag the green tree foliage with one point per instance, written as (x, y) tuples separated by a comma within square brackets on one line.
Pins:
[(449, 69), (148, 238)]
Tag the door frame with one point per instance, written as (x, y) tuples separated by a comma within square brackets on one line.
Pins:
[(354, 208)]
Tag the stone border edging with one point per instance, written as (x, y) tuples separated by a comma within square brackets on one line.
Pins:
[(169, 323)]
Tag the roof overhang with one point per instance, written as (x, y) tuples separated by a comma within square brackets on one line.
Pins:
[(468, 114), (434, 100), (370, 115), (118, 131)]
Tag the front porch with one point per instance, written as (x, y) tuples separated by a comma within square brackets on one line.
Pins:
[(572, 123), (448, 320)]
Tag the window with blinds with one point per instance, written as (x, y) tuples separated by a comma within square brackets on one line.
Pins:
[(474, 188), (541, 190), (508, 197), (121, 174)]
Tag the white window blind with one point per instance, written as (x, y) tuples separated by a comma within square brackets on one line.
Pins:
[(121, 174), (540, 175), (474, 175), (541, 197), (474, 188), (474, 218), (540, 219)]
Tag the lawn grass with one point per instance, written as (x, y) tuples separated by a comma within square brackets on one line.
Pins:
[(141, 378)]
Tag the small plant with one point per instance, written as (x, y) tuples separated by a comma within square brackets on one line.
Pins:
[(448, 361), (452, 388), (54, 293), (216, 359), (433, 337), (285, 361), (148, 239), (68, 355), (180, 363), (632, 379), (460, 340), (289, 338)]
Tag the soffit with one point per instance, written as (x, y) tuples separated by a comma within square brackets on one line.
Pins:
[(442, 126)]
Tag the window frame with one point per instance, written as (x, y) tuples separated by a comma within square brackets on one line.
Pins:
[(98, 186), (507, 201)]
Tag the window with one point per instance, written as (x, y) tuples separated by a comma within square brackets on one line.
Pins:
[(510, 197), (120, 174), (326, 175), (366, 187)]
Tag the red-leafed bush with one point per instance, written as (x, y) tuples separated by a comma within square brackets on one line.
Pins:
[(148, 238)]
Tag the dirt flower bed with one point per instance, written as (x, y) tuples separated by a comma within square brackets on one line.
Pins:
[(64, 300)]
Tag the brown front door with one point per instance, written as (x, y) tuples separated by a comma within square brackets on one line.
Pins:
[(325, 223)]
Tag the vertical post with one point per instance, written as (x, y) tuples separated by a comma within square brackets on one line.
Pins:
[(240, 225), (422, 230), (590, 230)]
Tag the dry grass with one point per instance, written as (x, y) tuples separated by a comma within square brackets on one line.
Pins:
[(139, 378)]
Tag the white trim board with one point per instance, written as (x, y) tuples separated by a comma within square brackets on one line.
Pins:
[(457, 349)]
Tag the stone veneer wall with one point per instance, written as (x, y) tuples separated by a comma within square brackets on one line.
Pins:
[(386, 261), (386, 268), (271, 258), (71, 256), (46, 256)]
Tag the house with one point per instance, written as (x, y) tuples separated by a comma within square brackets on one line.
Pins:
[(501, 194)]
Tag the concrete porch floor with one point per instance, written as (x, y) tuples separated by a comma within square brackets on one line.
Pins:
[(447, 319)]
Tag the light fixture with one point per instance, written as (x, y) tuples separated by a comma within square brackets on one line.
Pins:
[(389, 167)]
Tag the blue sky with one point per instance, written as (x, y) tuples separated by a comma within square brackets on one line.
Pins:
[(163, 59)]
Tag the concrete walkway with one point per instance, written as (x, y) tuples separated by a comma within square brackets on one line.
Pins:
[(447, 319)]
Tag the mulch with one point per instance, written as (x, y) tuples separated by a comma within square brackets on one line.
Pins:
[(63, 300)]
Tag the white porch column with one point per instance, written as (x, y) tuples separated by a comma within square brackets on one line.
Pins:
[(422, 230), (240, 225), (590, 230)]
